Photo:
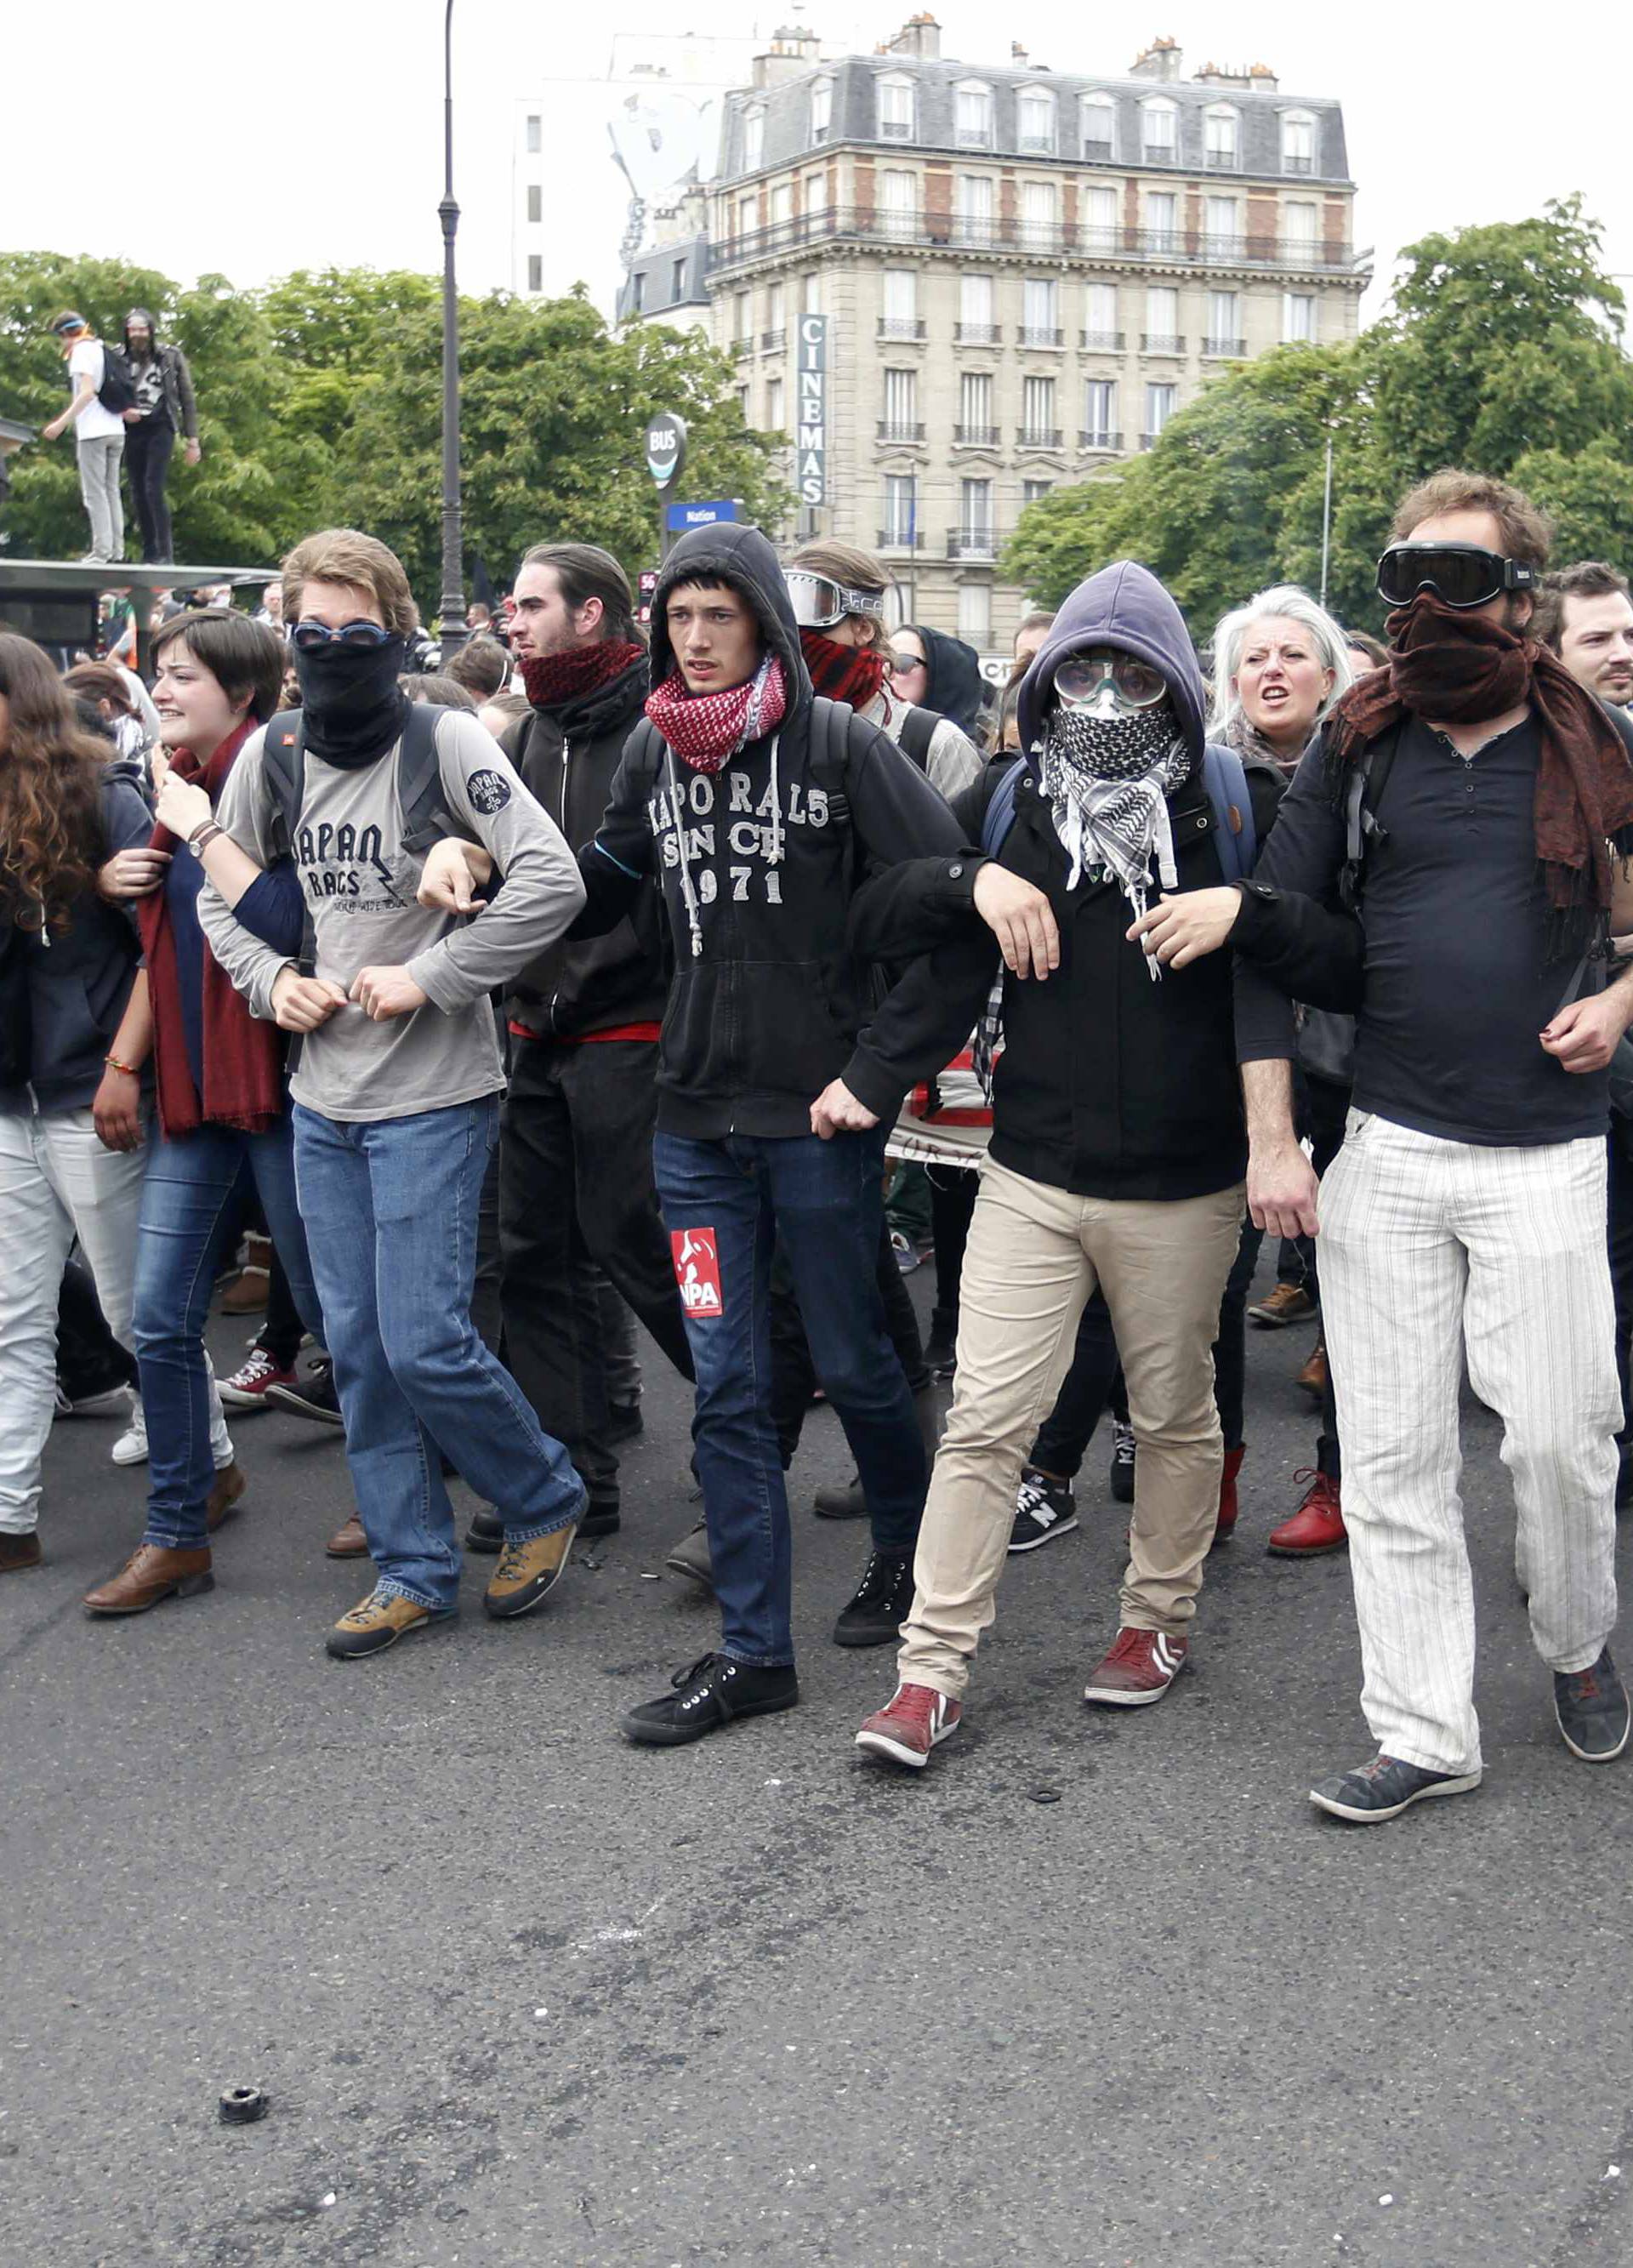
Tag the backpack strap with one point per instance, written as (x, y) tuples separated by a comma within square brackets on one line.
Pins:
[(918, 729), (1000, 815), (420, 795), (1236, 837), (1362, 793)]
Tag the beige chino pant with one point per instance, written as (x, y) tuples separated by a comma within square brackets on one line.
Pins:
[(1034, 1256)]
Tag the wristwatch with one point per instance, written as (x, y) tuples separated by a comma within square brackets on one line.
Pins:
[(201, 836)]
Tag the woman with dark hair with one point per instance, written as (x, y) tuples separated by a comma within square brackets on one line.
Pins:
[(224, 1120), (67, 964)]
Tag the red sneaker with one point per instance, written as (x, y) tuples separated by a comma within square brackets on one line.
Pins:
[(1317, 1526), (906, 1732), (247, 1388), (1226, 1520), (1141, 1666)]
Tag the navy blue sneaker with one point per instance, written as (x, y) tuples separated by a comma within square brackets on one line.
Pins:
[(1385, 1788), (1591, 1710)]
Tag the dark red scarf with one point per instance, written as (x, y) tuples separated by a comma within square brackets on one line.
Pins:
[(242, 1057), (706, 729), (552, 679), (1456, 667), (843, 673)]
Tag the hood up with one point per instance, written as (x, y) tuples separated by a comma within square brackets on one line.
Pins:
[(742, 558), (953, 684), (1123, 606)]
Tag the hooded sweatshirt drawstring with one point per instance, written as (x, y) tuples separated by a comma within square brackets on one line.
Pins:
[(694, 919), (775, 852)]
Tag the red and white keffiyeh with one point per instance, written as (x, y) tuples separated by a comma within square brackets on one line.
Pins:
[(706, 730)]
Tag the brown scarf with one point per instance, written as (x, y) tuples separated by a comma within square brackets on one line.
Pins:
[(1453, 667)]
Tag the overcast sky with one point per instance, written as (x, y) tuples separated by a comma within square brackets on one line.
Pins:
[(250, 140)]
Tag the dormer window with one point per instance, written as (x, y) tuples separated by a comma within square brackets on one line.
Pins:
[(1298, 142), (895, 107), (1159, 131), (821, 108), (1034, 122), (1097, 115), (753, 140), (1221, 138), (972, 118)]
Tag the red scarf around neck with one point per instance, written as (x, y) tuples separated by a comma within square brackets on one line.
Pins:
[(242, 1057), (553, 679), (843, 673), (705, 730)]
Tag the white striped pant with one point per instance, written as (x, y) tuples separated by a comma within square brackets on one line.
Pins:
[(1431, 1251)]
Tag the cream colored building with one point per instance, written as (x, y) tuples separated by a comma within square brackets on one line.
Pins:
[(1025, 274)]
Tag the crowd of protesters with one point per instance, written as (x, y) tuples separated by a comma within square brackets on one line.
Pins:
[(597, 977)]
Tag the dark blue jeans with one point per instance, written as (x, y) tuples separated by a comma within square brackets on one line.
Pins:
[(726, 1204), (390, 1206), (194, 1201)]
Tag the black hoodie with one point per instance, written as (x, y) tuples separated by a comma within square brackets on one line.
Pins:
[(953, 686), (761, 1015)]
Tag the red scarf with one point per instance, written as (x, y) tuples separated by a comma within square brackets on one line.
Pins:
[(552, 679), (706, 729), (242, 1057), (1450, 665), (843, 673)]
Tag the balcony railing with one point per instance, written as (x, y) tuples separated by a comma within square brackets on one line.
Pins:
[(1157, 153), (743, 346), (1100, 342), (901, 326), (975, 437), (1096, 153), (1037, 145), (1149, 440), (1162, 342), (1038, 437), (773, 342), (900, 429), (1232, 350), (1033, 334), (972, 543), (973, 137), (899, 539), (1099, 440), (1221, 161), (873, 224), (974, 335), (895, 129), (1292, 164)]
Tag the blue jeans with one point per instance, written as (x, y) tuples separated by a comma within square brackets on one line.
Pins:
[(193, 1205), (390, 1206), (726, 1204)]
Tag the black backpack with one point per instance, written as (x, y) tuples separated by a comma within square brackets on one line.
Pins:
[(118, 390)]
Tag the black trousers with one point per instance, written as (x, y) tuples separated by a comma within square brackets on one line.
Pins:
[(576, 1185), (953, 1190), (148, 450), (793, 1374), (89, 1357), (1622, 1255)]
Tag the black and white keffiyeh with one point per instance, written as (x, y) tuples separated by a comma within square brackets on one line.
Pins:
[(1106, 781)]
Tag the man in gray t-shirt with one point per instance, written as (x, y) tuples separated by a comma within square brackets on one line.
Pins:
[(396, 1093)]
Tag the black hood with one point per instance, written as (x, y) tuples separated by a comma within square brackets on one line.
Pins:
[(140, 315), (951, 678), (742, 558)]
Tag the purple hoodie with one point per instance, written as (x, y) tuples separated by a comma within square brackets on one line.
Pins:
[(1123, 606)]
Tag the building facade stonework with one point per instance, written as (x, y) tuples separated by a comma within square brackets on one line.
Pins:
[(1026, 273)]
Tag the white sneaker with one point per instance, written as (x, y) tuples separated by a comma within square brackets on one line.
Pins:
[(131, 1447)]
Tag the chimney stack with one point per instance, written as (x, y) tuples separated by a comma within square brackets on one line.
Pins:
[(919, 37), (793, 49), (1162, 60)]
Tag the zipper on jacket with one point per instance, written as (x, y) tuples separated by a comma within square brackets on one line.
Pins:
[(567, 749)]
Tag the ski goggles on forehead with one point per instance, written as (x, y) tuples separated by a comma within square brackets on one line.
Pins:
[(818, 601), (1459, 574), (310, 636), (1081, 676)]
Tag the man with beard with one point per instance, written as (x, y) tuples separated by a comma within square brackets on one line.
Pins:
[(576, 1156), (1473, 804), (396, 1089), (1586, 616)]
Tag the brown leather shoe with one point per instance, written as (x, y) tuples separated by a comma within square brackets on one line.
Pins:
[(246, 1294), (348, 1542), (149, 1574), (18, 1552), (1313, 1377), (223, 1500)]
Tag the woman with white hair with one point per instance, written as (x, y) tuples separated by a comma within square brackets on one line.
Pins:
[(1279, 662)]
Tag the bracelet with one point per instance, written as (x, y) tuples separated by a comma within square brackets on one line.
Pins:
[(203, 836), (129, 1070)]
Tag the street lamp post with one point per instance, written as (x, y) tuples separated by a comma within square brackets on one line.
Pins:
[(453, 603)]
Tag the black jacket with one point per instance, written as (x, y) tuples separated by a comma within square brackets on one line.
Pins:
[(62, 1000), (174, 376), (569, 757), (768, 995)]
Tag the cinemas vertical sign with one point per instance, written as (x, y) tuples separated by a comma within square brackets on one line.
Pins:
[(810, 444)]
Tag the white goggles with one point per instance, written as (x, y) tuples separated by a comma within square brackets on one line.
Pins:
[(818, 601)]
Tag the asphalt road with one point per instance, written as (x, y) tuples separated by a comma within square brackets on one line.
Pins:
[(521, 1994)]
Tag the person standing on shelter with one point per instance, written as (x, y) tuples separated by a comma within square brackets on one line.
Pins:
[(99, 426)]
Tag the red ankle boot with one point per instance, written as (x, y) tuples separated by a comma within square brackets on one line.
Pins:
[(1226, 1521), (1317, 1526)]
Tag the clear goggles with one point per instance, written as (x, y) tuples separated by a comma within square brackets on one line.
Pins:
[(1082, 677), (818, 601)]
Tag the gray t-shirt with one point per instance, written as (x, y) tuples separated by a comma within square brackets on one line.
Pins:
[(359, 885)]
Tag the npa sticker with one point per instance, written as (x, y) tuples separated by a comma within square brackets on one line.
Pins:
[(697, 1271), (490, 791)]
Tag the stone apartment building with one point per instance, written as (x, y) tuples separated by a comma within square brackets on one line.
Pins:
[(1027, 272)]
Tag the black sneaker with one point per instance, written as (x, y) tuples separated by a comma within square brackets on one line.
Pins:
[(1591, 1710), (1122, 1462), (880, 1608), (1044, 1509), (1384, 1788), (707, 1697), (1624, 1477), (311, 1396), (941, 1347), (624, 1421), (486, 1532), (844, 1503)]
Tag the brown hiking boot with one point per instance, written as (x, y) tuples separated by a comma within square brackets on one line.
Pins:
[(528, 1572), (1288, 1303), (152, 1572), (348, 1542), (377, 1621), (18, 1552), (223, 1500)]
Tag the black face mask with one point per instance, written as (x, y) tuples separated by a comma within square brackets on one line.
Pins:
[(352, 704)]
